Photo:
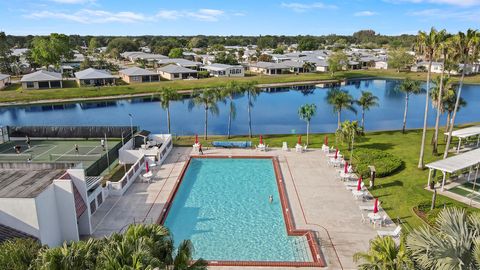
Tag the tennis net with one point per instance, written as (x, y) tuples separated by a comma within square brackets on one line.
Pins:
[(15, 157), (64, 157)]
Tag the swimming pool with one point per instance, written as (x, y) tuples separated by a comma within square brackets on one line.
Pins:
[(222, 205)]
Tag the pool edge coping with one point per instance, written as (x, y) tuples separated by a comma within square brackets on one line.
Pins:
[(317, 255)]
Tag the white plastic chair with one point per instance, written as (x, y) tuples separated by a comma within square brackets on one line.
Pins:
[(394, 234), (284, 146)]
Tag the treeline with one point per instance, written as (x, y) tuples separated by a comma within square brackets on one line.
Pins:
[(363, 38)]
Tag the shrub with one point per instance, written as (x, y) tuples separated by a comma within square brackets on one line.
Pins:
[(203, 74), (385, 163)]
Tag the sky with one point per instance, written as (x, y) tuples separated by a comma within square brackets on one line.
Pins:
[(227, 17)]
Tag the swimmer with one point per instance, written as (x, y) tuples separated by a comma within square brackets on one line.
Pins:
[(270, 199)]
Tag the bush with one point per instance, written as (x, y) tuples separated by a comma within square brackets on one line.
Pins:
[(385, 163), (203, 74)]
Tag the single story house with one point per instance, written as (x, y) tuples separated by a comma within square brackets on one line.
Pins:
[(269, 68), (381, 65), (181, 62), (222, 70), (295, 66), (94, 77), (174, 72), (42, 79), (4, 80), (138, 75)]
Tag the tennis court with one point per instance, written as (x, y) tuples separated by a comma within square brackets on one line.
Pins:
[(466, 190), (42, 151)]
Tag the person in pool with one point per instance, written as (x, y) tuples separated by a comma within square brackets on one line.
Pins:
[(270, 199)]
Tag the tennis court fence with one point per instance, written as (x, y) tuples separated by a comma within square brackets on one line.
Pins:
[(102, 163), (85, 132)]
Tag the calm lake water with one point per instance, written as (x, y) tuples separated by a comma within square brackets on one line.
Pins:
[(274, 112)]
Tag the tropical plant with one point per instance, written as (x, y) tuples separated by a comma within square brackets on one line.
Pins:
[(428, 43), (466, 46), (366, 101), (409, 87), (166, 96), (306, 112), (384, 254), (449, 103), (347, 133), (183, 258), (385, 163), (337, 61), (453, 243), (340, 100), (308, 67), (252, 93), (207, 99), (18, 254), (230, 91)]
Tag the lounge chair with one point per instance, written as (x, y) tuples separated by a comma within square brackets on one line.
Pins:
[(352, 186), (393, 234), (284, 146), (367, 207)]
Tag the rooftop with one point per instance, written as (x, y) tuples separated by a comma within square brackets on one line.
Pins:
[(176, 69), (180, 62), (136, 71), (7, 233), (217, 66), (26, 183), (4, 76), (41, 75), (91, 73)]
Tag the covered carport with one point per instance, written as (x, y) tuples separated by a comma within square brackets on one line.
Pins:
[(464, 134), (468, 160)]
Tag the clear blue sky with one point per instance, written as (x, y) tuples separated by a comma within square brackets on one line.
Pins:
[(230, 17)]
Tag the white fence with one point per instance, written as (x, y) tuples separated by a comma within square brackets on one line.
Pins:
[(119, 188)]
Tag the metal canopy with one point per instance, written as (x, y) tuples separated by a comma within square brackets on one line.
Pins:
[(466, 132), (456, 163)]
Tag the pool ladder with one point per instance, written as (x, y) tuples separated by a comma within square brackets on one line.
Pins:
[(300, 246)]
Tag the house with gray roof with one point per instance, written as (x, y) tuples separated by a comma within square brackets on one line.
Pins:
[(181, 62), (222, 70), (42, 79), (94, 77), (174, 72), (269, 68), (4, 80), (138, 75)]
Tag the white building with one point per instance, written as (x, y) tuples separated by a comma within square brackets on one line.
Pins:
[(42, 79), (4, 80), (222, 70)]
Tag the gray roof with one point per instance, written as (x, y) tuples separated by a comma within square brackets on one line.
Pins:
[(179, 61), (270, 65), (295, 64), (175, 69), (136, 71), (457, 163), (4, 76), (218, 66), (42, 76), (91, 73), (26, 183), (8, 233)]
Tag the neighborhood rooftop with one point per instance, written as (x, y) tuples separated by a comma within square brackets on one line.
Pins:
[(136, 71), (92, 73), (41, 75), (172, 68)]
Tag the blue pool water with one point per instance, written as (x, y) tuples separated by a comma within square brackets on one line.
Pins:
[(222, 206)]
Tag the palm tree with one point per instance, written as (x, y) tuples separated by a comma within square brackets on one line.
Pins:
[(367, 100), (384, 254), (19, 253), (183, 258), (252, 93), (306, 112), (449, 102), (409, 87), (428, 43), (308, 66), (166, 95), (453, 243), (208, 100), (340, 99), (347, 133), (466, 45), (230, 91)]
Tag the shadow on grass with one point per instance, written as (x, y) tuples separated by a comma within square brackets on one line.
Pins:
[(395, 183), (379, 146)]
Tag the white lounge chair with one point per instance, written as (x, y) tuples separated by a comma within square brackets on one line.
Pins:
[(367, 207), (354, 186), (284, 146), (393, 234)]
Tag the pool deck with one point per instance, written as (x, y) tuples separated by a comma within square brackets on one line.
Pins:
[(318, 199)]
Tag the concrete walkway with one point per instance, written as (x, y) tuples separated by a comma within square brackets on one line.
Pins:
[(318, 199)]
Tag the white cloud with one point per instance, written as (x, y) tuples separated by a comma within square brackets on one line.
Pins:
[(365, 13), (461, 3), (88, 16), (74, 1), (301, 7), (471, 15), (204, 14)]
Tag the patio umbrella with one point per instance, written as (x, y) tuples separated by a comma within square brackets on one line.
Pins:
[(299, 140), (359, 185), (375, 207), (147, 169), (336, 153), (261, 139), (345, 168), (196, 138), (326, 140)]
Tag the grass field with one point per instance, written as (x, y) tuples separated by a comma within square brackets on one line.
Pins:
[(55, 151), (14, 93), (400, 192)]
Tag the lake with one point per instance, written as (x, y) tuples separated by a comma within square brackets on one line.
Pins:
[(274, 111)]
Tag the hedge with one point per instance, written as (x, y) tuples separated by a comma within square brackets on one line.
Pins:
[(385, 163)]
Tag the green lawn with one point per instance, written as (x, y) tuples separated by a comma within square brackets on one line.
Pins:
[(400, 192), (14, 93)]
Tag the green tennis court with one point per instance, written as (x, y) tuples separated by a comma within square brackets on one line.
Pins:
[(466, 189), (55, 150)]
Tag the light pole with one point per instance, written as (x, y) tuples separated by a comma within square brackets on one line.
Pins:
[(131, 124)]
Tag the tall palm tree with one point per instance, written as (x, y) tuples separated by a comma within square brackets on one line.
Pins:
[(340, 99), (409, 87), (466, 45), (366, 101), (252, 93), (384, 254), (449, 102), (230, 91), (454, 243), (166, 95), (306, 112), (208, 99), (428, 43), (347, 133)]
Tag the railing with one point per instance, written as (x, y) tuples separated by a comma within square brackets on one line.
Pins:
[(119, 188)]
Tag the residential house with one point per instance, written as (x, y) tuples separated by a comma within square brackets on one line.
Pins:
[(42, 79), (174, 72), (149, 57), (94, 77), (381, 65), (181, 62), (138, 75), (4, 80), (269, 68), (222, 70)]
